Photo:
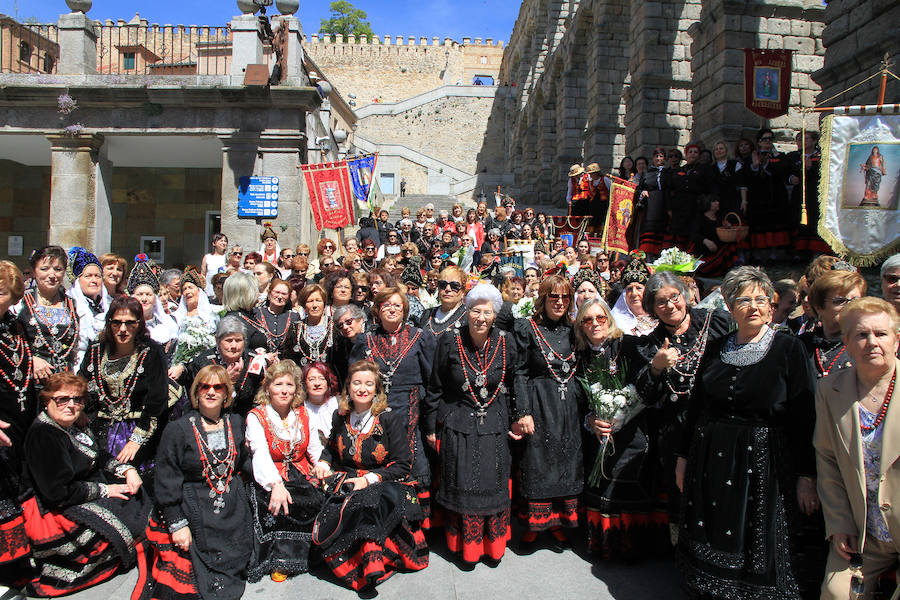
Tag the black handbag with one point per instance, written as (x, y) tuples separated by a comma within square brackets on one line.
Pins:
[(329, 521)]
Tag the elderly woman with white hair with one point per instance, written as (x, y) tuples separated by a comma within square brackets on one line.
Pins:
[(624, 520), (467, 416), (890, 281), (746, 463), (240, 297)]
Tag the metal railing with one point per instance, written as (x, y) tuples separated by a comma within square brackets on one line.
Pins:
[(28, 48), (132, 49)]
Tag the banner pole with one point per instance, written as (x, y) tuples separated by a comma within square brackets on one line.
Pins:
[(804, 218)]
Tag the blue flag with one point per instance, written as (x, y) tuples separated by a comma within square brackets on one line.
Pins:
[(361, 169)]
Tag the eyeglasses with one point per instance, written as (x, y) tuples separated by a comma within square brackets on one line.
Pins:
[(563, 297), (767, 137), (64, 400), (603, 259), (362, 288), (327, 265), (328, 247), (391, 305), (839, 301), (128, 323), (345, 323), (599, 320), (303, 254), (237, 253), (745, 301), (218, 387), (367, 248), (674, 299), (287, 256), (453, 285)]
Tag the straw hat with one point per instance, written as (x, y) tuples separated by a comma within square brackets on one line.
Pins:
[(576, 170), (592, 168)]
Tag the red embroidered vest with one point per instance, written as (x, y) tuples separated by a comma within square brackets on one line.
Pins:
[(582, 189), (280, 449)]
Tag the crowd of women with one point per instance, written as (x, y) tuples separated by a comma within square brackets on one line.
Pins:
[(333, 411)]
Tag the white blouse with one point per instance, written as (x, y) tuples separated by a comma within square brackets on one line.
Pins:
[(320, 416), (264, 470)]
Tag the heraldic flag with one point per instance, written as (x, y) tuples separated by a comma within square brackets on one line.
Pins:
[(621, 209), (361, 170), (330, 194)]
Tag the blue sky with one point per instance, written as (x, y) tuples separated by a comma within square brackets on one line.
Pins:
[(441, 18)]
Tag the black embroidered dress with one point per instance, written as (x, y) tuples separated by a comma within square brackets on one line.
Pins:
[(472, 429), (274, 326), (748, 436), (245, 387), (52, 332), (307, 344), (551, 469)]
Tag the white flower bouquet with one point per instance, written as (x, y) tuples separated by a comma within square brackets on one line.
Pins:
[(524, 308), (673, 259), (195, 336), (613, 401)]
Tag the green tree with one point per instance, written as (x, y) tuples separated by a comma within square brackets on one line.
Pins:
[(347, 20)]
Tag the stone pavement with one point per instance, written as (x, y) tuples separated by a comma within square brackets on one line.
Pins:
[(543, 574)]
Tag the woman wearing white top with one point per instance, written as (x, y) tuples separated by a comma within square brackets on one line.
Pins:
[(321, 386), (215, 261), (90, 296), (629, 313), (285, 456), (144, 286)]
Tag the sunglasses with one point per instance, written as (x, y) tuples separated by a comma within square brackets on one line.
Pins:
[(128, 323), (599, 320), (328, 247), (564, 297), (218, 387), (362, 288), (303, 254), (453, 285), (237, 253), (64, 400), (345, 323)]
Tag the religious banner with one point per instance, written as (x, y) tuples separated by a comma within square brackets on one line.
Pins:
[(767, 81), (361, 170), (330, 194), (621, 209), (860, 183)]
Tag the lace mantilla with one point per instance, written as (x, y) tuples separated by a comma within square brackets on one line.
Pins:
[(742, 355)]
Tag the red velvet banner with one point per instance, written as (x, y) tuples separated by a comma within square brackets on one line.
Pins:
[(330, 194), (767, 81), (621, 209)]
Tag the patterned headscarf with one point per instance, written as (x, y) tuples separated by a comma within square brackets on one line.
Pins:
[(192, 275), (591, 275), (143, 273), (636, 271), (79, 258)]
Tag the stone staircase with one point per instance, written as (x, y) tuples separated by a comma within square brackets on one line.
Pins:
[(415, 201)]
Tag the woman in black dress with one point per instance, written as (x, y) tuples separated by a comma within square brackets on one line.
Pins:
[(203, 544), (747, 464), (312, 338), (231, 353), (376, 531), (48, 316), (128, 385), (624, 520), (827, 297), (466, 418), (405, 355), (650, 198), (88, 514), (274, 318), (671, 357), (551, 469), (686, 184), (17, 411), (451, 314)]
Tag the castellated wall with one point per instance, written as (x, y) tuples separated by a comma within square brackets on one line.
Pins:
[(393, 69)]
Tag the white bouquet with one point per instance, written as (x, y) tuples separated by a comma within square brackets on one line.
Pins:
[(673, 259), (524, 308), (612, 401), (196, 335)]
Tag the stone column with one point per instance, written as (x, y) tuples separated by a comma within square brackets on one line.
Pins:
[(76, 216), (246, 45), (77, 45), (294, 73), (271, 154)]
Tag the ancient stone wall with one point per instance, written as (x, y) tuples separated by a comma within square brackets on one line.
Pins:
[(596, 80), (857, 35), (24, 207)]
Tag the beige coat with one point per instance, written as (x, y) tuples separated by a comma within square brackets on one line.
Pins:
[(839, 458)]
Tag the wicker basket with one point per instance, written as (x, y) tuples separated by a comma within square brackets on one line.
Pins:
[(729, 233)]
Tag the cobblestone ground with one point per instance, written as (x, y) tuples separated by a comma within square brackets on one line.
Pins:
[(542, 575)]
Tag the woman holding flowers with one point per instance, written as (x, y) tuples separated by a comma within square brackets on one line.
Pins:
[(747, 464), (622, 520)]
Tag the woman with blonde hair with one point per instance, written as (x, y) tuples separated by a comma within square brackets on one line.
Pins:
[(286, 454), (201, 545), (376, 531)]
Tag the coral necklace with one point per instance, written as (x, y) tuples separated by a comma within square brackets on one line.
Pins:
[(884, 406), (56, 346), (567, 369), (19, 356), (819, 360), (481, 370), (217, 471)]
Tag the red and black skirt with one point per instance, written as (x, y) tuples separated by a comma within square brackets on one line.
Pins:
[(171, 570), (625, 535), (474, 537), (550, 513)]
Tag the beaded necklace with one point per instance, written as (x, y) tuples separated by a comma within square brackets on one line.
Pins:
[(117, 403), (688, 363), (481, 370), (217, 471), (295, 435), (820, 359), (567, 369), (274, 340), (448, 319), (317, 348), (14, 349), (391, 365), (57, 348), (884, 406), (354, 434)]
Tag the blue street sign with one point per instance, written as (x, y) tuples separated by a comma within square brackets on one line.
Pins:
[(258, 197)]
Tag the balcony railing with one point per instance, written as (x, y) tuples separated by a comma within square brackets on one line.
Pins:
[(27, 48)]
